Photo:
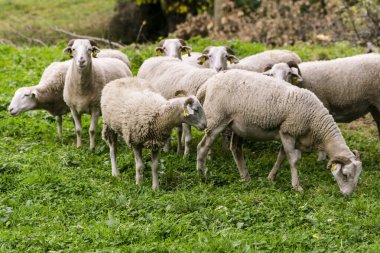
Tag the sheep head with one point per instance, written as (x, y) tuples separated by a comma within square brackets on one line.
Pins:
[(346, 171), (217, 57), (192, 110), (81, 50), (288, 72), (173, 48), (25, 99)]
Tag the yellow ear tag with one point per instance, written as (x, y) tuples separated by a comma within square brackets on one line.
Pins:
[(203, 59), (94, 54), (184, 113), (333, 167), (231, 61)]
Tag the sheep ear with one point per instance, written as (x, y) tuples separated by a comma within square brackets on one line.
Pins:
[(335, 168), (232, 59), (202, 59), (67, 50), (268, 67), (358, 155), (33, 93), (181, 93), (186, 49), (187, 110), (95, 50), (159, 51), (296, 77)]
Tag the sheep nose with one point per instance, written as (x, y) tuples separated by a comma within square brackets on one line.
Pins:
[(218, 69), (11, 111)]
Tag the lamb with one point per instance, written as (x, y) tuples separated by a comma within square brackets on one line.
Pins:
[(144, 119), (222, 58), (48, 94), (173, 48), (348, 87), (167, 75), (85, 80), (264, 108)]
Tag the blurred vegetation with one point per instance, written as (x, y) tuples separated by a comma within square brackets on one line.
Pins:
[(276, 23)]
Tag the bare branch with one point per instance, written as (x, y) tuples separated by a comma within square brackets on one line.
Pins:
[(113, 44)]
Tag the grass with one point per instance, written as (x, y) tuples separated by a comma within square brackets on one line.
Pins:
[(34, 18), (57, 198)]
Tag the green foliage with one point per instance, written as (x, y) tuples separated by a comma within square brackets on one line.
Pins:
[(57, 198)]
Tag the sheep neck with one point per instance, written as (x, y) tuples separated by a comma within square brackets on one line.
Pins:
[(83, 78), (170, 116)]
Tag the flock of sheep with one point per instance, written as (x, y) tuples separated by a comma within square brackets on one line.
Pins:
[(266, 96)]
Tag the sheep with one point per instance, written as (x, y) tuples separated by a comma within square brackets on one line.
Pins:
[(167, 75), (84, 82), (144, 119), (173, 48), (348, 87), (112, 53), (222, 58), (264, 108), (48, 94)]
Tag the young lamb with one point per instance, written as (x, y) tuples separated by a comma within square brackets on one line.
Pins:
[(167, 75), (85, 80), (348, 87), (173, 48), (144, 119), (48, 94), (263, 108)]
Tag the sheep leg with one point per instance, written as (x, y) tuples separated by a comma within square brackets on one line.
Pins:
[(288, 142), (226, 139), (78, 126), (376, 116), (204, 147), (237, 153), (137, 151), (188, 138), (280, 158), (59, 125), (321, 155), (179, 146), (94, 121), (110, 138), (155, 156), (166, 147)]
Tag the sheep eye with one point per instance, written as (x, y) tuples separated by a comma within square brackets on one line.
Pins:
[(73, 49)]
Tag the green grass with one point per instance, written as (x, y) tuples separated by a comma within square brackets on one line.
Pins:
[(57, 198), (34, 18)]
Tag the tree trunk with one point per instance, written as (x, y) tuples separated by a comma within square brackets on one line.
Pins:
[(217, 14)]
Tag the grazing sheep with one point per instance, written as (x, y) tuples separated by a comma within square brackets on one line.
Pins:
[(144, 119), (84, 82), (167, 75), (348, 87), (258, 62), (262, 108), (48, 94), (173, 48)]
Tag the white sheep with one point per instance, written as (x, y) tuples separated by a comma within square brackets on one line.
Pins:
[(222, 58), (48, 94), (262, 108), (173, 48), (84, 82), (167, 75), (348, 87), (144, 119)]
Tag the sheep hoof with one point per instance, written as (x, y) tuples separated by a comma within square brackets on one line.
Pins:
[(245, 179), (116, 174), (155, 188), (298, 188)]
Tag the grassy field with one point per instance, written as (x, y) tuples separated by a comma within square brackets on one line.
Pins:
[(22, 20), (57, 198)]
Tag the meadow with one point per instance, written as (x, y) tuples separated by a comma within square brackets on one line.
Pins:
[(57, 198)]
